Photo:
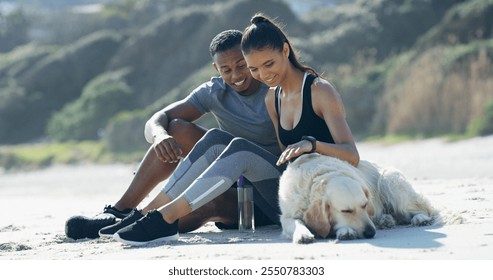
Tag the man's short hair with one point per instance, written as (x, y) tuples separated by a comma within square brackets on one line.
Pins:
[(224, 41)]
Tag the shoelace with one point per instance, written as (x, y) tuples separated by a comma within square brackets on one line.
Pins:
[(145, 219), (110, 207), (131, 215), (142, 223)]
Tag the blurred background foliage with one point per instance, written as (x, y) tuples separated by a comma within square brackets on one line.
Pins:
[(83, 70)]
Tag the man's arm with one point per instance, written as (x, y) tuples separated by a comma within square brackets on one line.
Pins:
[(156, 128), (157, 125)]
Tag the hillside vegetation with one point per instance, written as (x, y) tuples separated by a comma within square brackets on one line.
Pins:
[(403, 67)]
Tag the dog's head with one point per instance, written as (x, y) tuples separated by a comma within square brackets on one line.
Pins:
[(340, 206)]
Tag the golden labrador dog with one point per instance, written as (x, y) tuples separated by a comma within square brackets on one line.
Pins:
[(324, 196)]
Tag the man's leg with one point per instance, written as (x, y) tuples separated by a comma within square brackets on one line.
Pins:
[(152, 171), (239, 157), (223, 208), (209, 171)]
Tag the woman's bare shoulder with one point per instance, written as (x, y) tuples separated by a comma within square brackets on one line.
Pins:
[(324, 89)]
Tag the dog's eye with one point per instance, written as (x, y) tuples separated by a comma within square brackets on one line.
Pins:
[(349, 211), (364, 206)]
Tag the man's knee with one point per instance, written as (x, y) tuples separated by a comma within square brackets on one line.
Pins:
[(178, 127), (185, 133)]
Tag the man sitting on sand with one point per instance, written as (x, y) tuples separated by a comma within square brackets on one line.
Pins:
[(237, 102)]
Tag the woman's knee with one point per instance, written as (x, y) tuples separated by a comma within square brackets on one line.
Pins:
[(240, 144), (217, 136)]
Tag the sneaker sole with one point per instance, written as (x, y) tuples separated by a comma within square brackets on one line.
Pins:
[(117, 237), (105, 235)]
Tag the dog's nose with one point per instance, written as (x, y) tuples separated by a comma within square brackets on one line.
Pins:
[(369, 232)]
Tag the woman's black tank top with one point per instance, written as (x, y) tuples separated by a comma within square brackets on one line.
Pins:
[(310, 123)]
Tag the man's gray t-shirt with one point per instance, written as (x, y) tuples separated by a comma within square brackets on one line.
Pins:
[(242, 116)]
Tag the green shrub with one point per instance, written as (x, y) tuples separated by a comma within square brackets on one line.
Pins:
[(12, 100), (482, 125), (125, 132), (86, 118)]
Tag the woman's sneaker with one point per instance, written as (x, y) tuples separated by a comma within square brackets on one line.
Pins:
[(151, 228), (133, 217)]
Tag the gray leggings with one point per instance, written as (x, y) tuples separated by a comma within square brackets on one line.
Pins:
[(216, 162)]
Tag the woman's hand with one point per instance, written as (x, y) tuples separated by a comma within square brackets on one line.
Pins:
[(294, 150), (167, 149)]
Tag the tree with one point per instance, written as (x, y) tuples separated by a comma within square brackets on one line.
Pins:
[(14, 27)]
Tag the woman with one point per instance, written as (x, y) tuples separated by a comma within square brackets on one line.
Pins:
[(306, 110), (301, 126)]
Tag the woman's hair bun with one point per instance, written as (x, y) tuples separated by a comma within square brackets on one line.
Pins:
[(258, 18)]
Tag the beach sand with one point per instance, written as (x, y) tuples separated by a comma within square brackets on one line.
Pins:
[(456, 177)]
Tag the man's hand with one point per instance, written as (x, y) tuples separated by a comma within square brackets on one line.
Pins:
[(166, 148), (294, 150)]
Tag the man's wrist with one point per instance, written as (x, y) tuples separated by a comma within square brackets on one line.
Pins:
[(158, 137)]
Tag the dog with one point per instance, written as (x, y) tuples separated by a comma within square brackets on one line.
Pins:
[(322, 196)]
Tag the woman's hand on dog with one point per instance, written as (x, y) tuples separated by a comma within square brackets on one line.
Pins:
[(294, 151)]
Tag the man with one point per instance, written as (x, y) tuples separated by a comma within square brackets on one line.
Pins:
[(237, 102)]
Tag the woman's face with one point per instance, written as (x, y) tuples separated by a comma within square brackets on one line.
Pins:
[(232, 67), (268, 65)]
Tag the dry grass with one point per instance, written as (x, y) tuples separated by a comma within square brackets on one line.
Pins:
[(432, 95)]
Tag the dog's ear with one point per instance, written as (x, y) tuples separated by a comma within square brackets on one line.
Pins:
[(317, 218), (370, 209)]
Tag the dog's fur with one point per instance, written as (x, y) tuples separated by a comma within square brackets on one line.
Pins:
[(324, 196)]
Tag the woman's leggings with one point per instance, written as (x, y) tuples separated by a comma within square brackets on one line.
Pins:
[(216, 162)]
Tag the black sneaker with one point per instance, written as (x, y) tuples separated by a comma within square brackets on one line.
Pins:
[(78, 227), (117, 213), (133, 217), (151, 228), (220, 225)]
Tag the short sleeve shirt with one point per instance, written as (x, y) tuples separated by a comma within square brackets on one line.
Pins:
[(242, 116)]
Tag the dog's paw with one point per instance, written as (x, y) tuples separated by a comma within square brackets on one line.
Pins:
[(303, 236), (346, 234), (385, 221), (420, 219)]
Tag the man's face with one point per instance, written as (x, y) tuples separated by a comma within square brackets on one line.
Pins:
[(232, 67)]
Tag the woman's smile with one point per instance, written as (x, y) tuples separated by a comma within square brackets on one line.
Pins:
[(269, 80)]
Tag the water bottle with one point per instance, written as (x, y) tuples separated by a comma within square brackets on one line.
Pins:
[(246, 219)]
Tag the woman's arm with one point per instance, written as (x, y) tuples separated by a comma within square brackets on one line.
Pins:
[(328, 105)]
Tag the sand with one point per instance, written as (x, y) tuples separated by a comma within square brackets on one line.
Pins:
[(456, 177)]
